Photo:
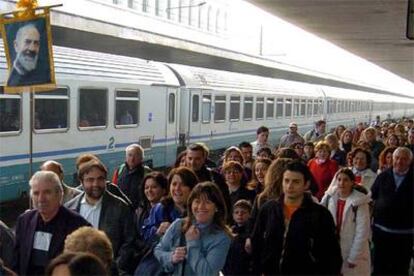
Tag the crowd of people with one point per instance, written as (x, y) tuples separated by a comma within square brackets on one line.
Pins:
[(337, 203)]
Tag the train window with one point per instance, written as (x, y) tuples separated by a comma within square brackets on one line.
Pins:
[(315, 107), (248, 108), (302, 107), (93, 107), (270, 108), (279, 107), (309, 107), (171, 108), (145, 5), (234, 108), (126, 108), (329, 106), (296, 107), (352, 106), (219, 108), (196, 108), (288, 107), (10, 110), (51, 109), (259, 108), (206, 109), (321, 110)]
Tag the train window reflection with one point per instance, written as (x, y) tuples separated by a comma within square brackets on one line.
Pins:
[(259, 108), (206, 108), (329, 103), (288, 107), (315, 107), (279, 107), (309, 110), (302, 107), (196, 108), (10, 106), (93, 106), (126, 108), (270, 108), (248, 108), (171, 108), (296, 107), (51, 109), (219, 108), (234, 108)]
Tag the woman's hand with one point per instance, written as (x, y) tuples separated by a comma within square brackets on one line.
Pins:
[(163, 228), (248, 246), (178, 255), (192, 233)]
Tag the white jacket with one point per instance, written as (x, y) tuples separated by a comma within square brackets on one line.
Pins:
[(367, 179), (355, 230)]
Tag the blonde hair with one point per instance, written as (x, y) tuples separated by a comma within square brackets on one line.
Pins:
[(322, 145), (90, 240)]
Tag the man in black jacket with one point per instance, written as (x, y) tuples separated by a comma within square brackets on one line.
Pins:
[(105, 211), (129, 175), (393, 227), (196, 160), (41, 232), (295, 235)]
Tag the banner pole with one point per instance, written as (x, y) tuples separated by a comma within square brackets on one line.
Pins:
[(31, 140)]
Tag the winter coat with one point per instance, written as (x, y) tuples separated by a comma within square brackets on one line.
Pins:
[(367, 179), (205, 256), (322, 174), (309, 247), (355, 230)]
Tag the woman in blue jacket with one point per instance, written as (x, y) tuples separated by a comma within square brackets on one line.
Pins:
[(197, 244)]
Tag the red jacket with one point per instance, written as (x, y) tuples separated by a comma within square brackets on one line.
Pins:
[(323, 174)]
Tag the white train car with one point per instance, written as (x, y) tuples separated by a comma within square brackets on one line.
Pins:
[(102, 104), (226, 108), (105, 102)]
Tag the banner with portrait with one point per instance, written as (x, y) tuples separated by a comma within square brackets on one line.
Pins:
[(28, 48)]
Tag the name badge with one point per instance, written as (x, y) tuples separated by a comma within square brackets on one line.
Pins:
[(42, 240)]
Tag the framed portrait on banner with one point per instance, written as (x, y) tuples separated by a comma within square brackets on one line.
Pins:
[(29, 55)]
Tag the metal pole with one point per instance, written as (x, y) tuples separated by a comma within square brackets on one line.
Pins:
[(261, 41), (31, 140)]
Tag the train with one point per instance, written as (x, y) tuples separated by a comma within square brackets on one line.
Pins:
[(104, 102)]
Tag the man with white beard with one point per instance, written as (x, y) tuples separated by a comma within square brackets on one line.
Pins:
[(25, 66)]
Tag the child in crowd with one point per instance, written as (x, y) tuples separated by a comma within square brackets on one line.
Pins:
[(238, 260), (308, 151)]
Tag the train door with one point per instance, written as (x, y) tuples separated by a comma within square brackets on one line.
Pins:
[(200, 116), (206, 116), (171, 127), (194, 116)]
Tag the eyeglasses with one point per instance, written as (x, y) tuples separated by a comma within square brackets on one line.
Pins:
[(298, 147)]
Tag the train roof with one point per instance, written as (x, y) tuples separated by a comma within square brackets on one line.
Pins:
[(73, 63), (351, 94), (203, 78)]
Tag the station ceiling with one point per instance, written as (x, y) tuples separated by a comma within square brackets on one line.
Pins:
[(372, 29)]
